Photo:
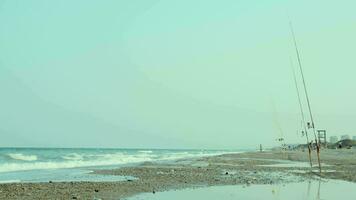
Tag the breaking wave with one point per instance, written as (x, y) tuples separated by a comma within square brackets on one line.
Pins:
[(9, 167), (58, 160), (145, 151), (20, 156), (73, 156)]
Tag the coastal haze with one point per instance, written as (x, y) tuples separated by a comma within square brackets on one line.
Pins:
[(118, 99), (171, 74)]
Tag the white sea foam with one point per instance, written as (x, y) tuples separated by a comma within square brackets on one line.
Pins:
[(186, 155), (20, 156), (73, 156), (103, 161), (145, 151), (74, 160), (10, 181)]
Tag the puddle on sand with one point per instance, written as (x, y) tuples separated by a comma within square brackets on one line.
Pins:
[(314, 171), (289, 163), (312, 190), (58, 175)]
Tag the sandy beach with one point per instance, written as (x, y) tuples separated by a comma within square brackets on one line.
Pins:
[(270, 167)]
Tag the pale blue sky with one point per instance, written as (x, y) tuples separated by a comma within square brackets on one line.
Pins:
[(171, 74)]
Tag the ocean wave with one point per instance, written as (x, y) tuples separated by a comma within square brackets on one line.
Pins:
[(145, 151), (186, 155), (10, 181), (103, 161), (73, 156), (75, 160), (20, 156)]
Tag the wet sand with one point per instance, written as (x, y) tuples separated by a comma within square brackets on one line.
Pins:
[(230, 169)]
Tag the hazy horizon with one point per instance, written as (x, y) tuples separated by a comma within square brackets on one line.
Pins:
[(172, 74)]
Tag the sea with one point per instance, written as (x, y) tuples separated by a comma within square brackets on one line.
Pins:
[(77, 164)]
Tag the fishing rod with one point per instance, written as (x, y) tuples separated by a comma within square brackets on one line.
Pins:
[(306, 95), (302, 113)]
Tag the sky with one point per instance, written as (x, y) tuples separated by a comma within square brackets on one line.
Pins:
[(172, 74)]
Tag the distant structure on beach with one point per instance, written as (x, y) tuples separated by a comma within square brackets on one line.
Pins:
[(333, 139), (345, 137)]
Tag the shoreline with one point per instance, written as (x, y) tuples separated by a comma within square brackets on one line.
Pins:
[(270, 167)]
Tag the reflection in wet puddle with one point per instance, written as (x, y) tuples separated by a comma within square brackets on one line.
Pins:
[(313, 190), (292, 164), (300, 165), (287, 163), (314, 171), (58, 175)]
